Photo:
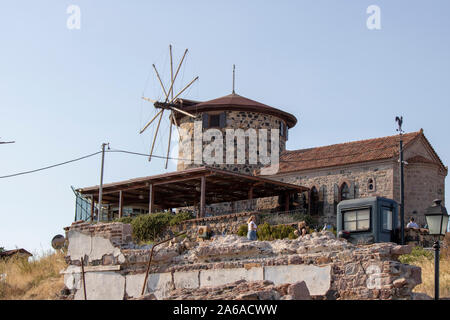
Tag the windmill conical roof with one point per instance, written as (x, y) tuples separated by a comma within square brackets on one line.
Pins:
[(235, 102)]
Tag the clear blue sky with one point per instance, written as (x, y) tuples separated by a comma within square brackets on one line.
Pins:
[(64, 92)]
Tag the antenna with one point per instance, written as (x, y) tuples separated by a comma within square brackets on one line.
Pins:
[(234, 76)]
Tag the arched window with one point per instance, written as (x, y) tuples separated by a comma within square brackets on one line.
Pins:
[(314, 201), (344, 191)]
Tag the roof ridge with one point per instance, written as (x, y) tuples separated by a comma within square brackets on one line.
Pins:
[(355, 141)]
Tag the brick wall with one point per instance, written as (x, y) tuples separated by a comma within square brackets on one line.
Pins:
[(118, 233)]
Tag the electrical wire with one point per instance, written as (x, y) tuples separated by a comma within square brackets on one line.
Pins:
[(170, 158), (49, 167)]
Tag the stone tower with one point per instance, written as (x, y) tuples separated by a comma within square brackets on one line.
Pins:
[(225, 114)]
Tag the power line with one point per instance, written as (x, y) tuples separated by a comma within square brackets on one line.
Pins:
[(178, 159), (5, 142), (52, 166)]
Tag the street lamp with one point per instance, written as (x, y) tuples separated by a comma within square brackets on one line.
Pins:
[(437, 220)]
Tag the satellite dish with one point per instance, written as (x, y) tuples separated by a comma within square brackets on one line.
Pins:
[(58, 242)]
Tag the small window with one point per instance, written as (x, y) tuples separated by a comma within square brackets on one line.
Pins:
[(371, 185), (214, 120), (387, 219), (357, 220), (345, 191), (282, 133), (283, 130)]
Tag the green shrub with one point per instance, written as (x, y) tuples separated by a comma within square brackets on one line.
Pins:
[(124, 220), (268, 232), (181, 216), (148, 227), (243, 230), (417, 254)]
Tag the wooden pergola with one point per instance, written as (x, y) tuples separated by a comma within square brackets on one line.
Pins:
[(192, 187)]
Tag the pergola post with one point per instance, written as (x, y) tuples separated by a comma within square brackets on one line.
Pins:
[(120, 204), (202, 196), (250, 193), (151, 202), (286, 204), (92, 208)]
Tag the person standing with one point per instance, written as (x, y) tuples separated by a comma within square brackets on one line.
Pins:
[(251, 234)]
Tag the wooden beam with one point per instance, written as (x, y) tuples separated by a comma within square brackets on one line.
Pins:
[(182, 179), (120, 204), (151, 202), (202, 196)]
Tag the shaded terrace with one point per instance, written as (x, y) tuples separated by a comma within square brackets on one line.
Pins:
[(196, 187)]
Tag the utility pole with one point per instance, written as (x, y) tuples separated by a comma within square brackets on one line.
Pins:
[(100, 195), (402, 182)]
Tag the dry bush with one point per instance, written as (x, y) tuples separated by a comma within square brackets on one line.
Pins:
[(427, 285), (37, 278), (426, 262)]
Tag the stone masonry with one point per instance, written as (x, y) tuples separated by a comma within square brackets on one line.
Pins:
[(424, 182), (331, 268), (234, 120)]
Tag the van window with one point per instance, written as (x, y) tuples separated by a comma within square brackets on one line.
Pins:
[(357, 220)]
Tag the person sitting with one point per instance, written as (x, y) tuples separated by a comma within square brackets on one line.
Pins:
[(304, 232), (251, 234), (412, 224)]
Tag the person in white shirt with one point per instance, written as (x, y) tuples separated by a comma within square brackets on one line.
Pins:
[(412, 224), (251, 234)]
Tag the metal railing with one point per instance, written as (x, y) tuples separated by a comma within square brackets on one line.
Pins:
[(82, 206)]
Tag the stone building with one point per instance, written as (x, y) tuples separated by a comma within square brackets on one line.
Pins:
[(364, 169), (236, 113), (333, 173)]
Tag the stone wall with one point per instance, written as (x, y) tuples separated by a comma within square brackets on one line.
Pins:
[(234, 120), (423, 184), (331, 268), (418, 237), (223, 224), (328, 182), (230, 223)]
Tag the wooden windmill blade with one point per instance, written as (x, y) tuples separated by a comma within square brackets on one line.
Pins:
[(169, 103), (170, 137), (156, 134), (150, 122)]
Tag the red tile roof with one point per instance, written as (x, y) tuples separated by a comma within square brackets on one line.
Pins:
[(347, 153), (10, 253)]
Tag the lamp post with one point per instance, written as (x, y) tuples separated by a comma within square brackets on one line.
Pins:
[(402, 182), (437, 220)]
